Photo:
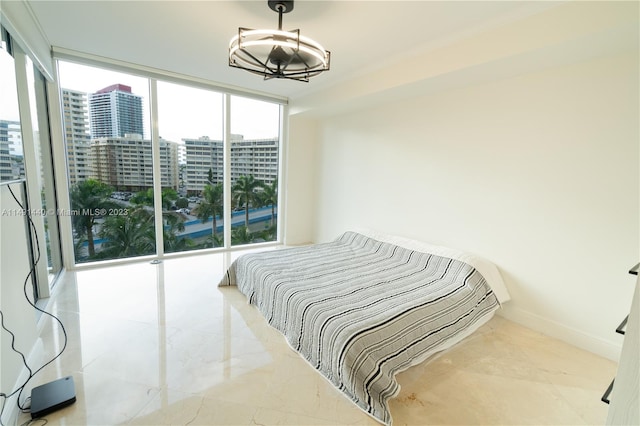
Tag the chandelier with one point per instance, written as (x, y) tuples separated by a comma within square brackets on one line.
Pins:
[(278, 53)]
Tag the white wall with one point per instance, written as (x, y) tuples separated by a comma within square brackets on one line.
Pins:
[(299, 186), (538, 173), (18, 316), (17, 18)]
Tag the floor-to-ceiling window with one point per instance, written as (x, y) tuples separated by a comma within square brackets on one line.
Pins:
[(255, 153), (190, 122), (109, 162), (11, 152), (25, 154), (114, 184), (50, 247)]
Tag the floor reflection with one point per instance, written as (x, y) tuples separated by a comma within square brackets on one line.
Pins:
[(162, 344)]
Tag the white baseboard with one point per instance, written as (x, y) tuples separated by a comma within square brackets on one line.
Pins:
[(588, 342), (11, 412)]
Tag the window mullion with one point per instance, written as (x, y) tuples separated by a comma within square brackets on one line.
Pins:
[(226, 111), (283, 132), (60, 169), (157, 172), (32, 169)]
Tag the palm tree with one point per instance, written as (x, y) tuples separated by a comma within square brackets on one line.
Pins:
[(212, 241), (244, 192), (145, 198), (128, 235), (169, 197), (241, 235), (269, 196), (267, 234), (88, 197), (211, 205), (173, 225)]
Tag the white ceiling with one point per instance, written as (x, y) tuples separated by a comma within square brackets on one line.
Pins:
[(191, 37)]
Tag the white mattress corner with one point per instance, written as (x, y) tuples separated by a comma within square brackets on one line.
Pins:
[(488, 269)]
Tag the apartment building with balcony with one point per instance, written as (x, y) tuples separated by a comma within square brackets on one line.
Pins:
[(126, 163), (257, 157), (11, 159), (77, 135)]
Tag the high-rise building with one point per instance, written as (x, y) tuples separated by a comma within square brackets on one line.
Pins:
[(257, 157), (126, 163), (203, 155), (11, 157), (182, 154), (115, 112), (77, 136)]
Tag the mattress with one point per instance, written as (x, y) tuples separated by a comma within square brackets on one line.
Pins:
[(362, 308)]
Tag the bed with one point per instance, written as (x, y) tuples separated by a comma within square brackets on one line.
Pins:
[(366, 306)]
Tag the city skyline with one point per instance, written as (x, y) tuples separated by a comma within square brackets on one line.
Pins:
[(123, 160), (203, 117), (188, 116), (256, 120)]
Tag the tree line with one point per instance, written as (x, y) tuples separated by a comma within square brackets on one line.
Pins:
[(133, 233)]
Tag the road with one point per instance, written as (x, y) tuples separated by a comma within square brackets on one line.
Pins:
[(193, 227)]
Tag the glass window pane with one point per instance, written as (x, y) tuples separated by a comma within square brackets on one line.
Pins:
[(190, 121), (11, 153), (255, 147), (42, 141), (109, 159)]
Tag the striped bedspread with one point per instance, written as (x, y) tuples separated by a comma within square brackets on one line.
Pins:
[(361, 310)]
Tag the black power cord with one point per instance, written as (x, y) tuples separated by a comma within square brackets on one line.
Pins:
[(32, 271)]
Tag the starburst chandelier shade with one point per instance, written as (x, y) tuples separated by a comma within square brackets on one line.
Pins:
[(278, 53)]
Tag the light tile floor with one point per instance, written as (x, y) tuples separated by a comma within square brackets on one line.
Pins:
[(163, 345)]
